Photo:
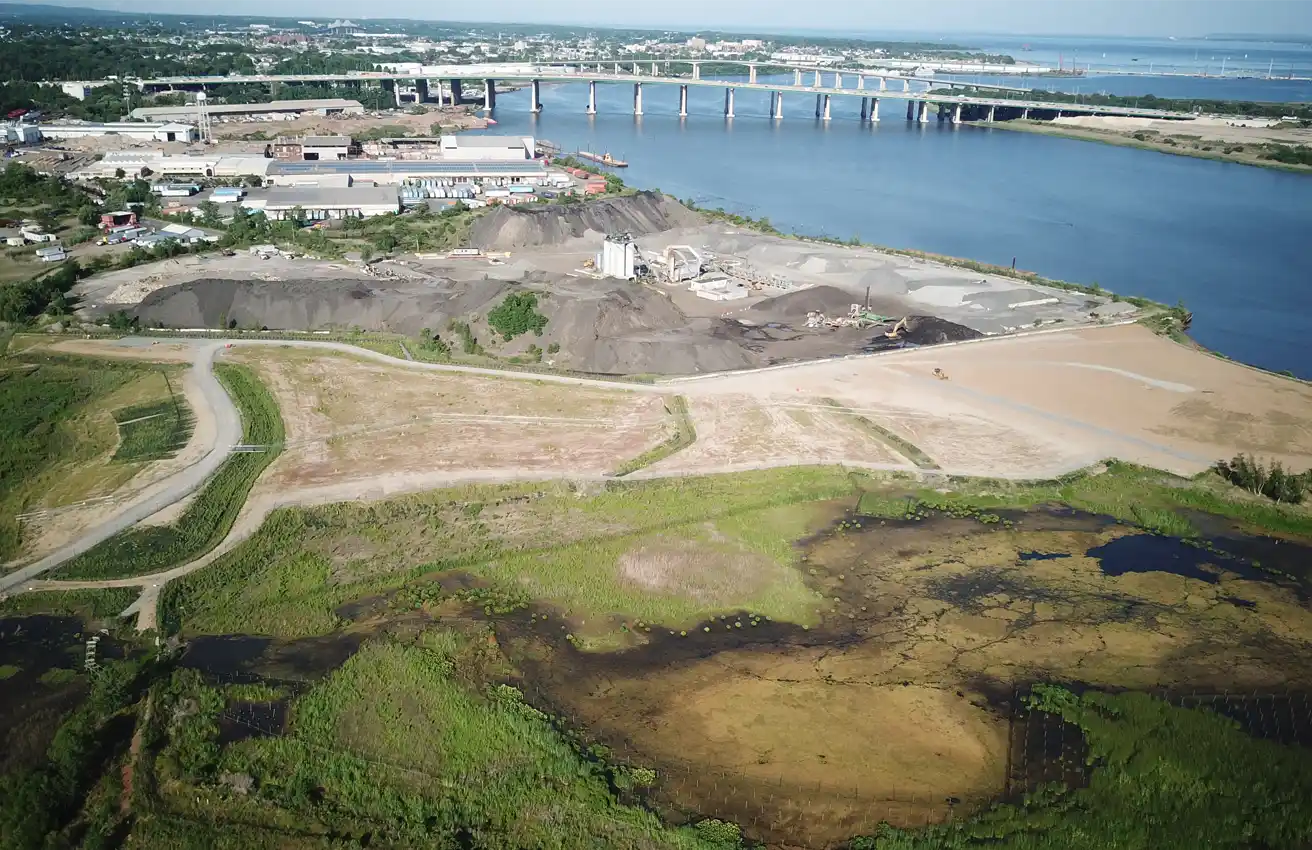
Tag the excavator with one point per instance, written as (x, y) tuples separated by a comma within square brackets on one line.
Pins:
[(896, 333)]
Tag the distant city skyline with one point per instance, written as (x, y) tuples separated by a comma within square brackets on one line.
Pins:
[(1160, 18)]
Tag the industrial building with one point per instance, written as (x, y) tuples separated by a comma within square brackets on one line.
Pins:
[(163, 165), (22, 134), (487, 148), (618, 257), (313, 148), (167, 132), (400, 171), (319, 204), (277, 110)]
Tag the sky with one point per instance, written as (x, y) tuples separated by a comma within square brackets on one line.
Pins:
[(1182, 18)]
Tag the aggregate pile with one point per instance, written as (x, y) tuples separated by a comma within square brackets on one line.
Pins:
[(508, 228)]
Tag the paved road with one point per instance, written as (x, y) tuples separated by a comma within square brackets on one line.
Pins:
[(186, 482)]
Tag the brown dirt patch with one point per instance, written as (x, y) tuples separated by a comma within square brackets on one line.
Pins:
[(696, 570), (348, 418)]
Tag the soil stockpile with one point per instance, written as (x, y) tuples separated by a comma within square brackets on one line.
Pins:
[(508, 228)]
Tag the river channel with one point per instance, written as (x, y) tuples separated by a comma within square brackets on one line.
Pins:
[(1228, 240)]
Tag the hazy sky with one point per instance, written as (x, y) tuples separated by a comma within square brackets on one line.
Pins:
[(1030, 17)]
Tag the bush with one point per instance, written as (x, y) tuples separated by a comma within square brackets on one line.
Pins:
[(517, 315), (1274, 482)]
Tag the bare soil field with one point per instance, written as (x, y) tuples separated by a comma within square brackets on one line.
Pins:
[(415, 125), (348, 419), (1038, 403)]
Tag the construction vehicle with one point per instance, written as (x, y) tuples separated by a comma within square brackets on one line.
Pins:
[(856, 318), (940, 374), (896, 333)]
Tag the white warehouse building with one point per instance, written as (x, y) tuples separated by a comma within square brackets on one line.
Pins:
[(319, 204), (488, 148), (272, 111), (169, 132)]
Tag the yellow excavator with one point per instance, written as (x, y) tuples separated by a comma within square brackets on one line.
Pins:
[(897, 329)]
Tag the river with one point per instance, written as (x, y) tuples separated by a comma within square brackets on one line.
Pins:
[(1230, 241)]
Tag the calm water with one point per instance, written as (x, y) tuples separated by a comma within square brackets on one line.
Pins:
[(1228, 240)]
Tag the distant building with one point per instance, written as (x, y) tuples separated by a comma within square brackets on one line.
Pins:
[(275, 110), (314, 148), (487, 148), (175, 190), (168, 132), (320, 204), (619, 257), (53, 254), (696, 43)]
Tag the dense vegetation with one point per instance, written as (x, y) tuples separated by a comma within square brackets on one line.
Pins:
[(1163, 777), (414, 744), (517, 314), (87, 604), (38, 397), (1272, 481), (209, 517)]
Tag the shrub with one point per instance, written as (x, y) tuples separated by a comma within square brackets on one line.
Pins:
[(517, 315)]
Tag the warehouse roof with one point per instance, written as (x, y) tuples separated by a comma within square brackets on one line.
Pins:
[(250, 108), (326, 141), (335, 197), (435, 168)]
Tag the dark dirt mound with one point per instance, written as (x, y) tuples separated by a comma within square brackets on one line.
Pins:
[(507, 228), (924, 330)]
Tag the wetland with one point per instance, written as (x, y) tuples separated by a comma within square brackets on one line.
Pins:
[(805, 656)]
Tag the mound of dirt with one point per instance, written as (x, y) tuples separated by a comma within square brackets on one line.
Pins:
[(931, 330), (507, 228)]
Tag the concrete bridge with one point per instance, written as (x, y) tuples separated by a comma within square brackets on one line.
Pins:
[(870, 86)]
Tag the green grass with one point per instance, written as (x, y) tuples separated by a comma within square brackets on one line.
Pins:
[(685, 434), (903, 447), (210, 516), (153, 431), (8, 671), (556, 543), (58, 676), (1163, 777), (37, 404), (87, 604), (413, 743)]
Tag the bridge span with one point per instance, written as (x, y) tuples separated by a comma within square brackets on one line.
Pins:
[(826, 84)]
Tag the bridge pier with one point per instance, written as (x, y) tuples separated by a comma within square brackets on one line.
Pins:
[(592, 97), (751, 74), (635, 69), (797, 77), (637, 100), (696, 71), (865, 109), (874, 110), (924, 112), (819, 101), (439, 91), (883, 84), (728, 103), (956, 115), (391, 88), (861, 81), (456, 94), (683, 101), (991, 111), (489, 94), (817, 80), (1025, 114), (906, 85), (654, 71), (617, 69), (536, 101), (911, 110), (421, 91), (778, 106), (826, 115), (838, 80)]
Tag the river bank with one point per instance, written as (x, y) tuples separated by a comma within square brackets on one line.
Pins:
[(1197, 146)]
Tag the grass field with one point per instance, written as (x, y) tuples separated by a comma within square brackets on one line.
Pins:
[(438, 755), (209, 517), (153, 431), (87, 604), (669, 552), (56, 434)]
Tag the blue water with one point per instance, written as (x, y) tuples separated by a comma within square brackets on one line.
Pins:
[(1229, 240)]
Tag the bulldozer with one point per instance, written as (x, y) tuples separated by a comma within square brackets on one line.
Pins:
[(940, 374)]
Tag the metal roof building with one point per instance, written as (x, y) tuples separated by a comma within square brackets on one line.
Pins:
[(166, 132), (400, 170), (322, 203), (272, 110)]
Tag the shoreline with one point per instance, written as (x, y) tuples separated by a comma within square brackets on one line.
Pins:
[(1112, 137)]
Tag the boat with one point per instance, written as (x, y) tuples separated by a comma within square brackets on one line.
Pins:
[(603, 159)]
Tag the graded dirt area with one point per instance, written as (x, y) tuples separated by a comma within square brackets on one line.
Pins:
[(348, 419), (1033, 405)]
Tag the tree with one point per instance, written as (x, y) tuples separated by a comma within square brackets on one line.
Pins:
[(120, 173), (517, 315), (209, 213)]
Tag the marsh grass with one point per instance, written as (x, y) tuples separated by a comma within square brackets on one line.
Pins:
[(411, 742), (88, 604), (153, 431)]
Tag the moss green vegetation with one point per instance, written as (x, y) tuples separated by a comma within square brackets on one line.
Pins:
[(87, 604), (153, 431), (210, 516), (409, 743), (517, 314), (39, 395), (8, 671), (685, 434), (903, 447), (640, 549), (1163, 777), (58, 676)]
